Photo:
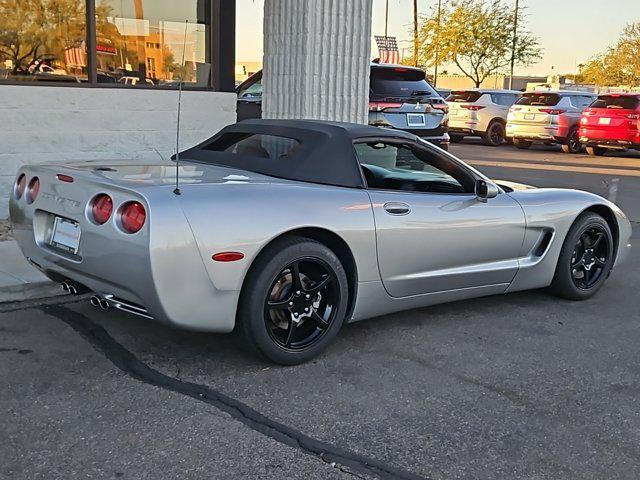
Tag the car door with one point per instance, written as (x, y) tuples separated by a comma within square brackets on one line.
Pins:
[(250, 98), (433, 233)]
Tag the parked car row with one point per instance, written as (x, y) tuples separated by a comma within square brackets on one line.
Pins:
[(401, 98)]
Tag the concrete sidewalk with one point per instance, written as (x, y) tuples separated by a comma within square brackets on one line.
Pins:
[(19, 280)]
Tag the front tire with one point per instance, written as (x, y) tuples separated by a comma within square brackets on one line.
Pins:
[(585, 260), (294, 301)]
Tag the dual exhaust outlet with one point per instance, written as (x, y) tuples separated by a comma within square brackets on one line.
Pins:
[(75, 289), (98, 302)]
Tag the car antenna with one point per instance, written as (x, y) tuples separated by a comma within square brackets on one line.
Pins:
[(184, 48)]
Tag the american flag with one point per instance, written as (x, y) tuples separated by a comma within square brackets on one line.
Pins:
[(388, 49), (76, 56)]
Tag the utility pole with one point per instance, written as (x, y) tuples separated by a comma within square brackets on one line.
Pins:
[(386, 19), (435, 73), (513, 45), (415, 33)]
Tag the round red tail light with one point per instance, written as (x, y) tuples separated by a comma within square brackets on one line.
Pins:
[(101, 208), (21, 185), (33, 190), (133, 217)]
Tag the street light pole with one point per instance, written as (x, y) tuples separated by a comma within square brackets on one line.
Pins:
[(435, 73), (513, 45), (415, 33)]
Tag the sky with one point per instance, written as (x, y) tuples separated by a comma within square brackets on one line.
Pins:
[(570, 31)]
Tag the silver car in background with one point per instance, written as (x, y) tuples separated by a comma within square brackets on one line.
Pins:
[(551, 117), (480, 113)]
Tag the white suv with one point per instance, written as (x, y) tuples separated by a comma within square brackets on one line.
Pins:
[(480, 113)]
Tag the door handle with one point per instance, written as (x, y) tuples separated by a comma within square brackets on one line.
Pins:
[(397, 208)]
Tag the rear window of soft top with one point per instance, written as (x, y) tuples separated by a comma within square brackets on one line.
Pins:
[(269, 147)]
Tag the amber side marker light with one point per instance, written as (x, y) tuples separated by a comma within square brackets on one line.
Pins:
[(64, 178), (228, 256)]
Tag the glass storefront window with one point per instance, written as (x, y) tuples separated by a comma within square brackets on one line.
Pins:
[(124, 43), (143, 42), (43, 41)]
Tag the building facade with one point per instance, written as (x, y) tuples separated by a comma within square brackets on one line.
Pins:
[(98, 79)]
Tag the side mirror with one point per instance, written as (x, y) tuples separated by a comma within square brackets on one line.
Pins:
[(486, 190)]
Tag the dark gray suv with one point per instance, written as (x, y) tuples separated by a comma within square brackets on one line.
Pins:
[(400, 97)]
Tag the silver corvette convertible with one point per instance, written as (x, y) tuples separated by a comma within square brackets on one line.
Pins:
[(286, 230)]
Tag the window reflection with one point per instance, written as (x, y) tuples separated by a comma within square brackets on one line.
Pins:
[(43, 40), (142, 42)]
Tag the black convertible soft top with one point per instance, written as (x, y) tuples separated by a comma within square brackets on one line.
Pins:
[(325, 153)]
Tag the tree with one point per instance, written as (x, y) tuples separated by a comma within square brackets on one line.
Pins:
[(619, 64), (476, 35), (32, 29)]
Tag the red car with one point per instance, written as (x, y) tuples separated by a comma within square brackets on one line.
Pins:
[(611, 122)]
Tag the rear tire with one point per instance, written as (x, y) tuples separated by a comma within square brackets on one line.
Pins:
[(522, 144), (495, 134), (456, 138), (585, 260), (572, 145), (596, 151), (291, 321)]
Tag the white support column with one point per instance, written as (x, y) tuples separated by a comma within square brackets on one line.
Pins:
[(316, 59)]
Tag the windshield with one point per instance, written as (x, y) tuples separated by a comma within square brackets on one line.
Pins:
[(539, 99), (400, 82)]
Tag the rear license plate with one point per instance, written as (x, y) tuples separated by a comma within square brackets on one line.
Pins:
[(66, 235), (415, 119), (529, 116), (604, 121)]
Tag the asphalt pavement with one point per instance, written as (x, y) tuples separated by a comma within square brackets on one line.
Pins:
[(522, 386)]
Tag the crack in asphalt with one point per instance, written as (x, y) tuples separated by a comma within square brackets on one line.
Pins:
[(342, 459)]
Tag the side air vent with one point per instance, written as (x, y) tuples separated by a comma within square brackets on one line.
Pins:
[(543, 243)]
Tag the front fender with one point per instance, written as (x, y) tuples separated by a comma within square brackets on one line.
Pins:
[(554, 211)]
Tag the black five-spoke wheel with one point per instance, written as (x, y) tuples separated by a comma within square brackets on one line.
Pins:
[(301, 303), (294, 300), (586, 258), (589, 258)]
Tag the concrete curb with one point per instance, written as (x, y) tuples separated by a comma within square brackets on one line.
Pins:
[(29, 291)]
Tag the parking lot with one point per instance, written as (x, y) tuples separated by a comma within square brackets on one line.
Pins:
[(523, 386)]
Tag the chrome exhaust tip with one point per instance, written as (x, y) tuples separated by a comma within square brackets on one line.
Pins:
[(73, 290), (65, 286), (104, 305), (95, 301)]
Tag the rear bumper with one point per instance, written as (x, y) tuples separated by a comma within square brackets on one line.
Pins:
[(610, 138), (158, 274), (608, 143), (541, 133)]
